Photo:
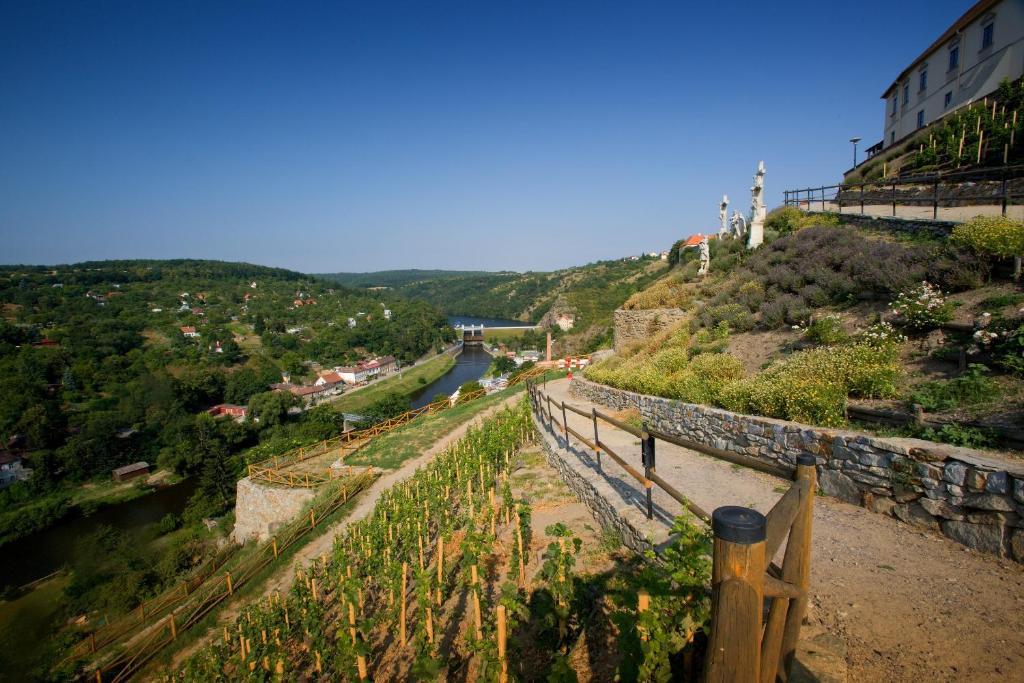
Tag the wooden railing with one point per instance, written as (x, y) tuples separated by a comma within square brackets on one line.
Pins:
[(143, 636), (744, 646), (278, 469)]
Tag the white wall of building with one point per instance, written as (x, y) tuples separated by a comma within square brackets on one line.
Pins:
[(977, 74)]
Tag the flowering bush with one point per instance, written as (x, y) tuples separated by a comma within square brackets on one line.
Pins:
[(923, 307), (995, 235), (812, 386), (881, 336)]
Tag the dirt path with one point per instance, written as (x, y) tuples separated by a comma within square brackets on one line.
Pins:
[(908, 605)]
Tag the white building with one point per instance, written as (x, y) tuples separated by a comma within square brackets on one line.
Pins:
[(965, 64)]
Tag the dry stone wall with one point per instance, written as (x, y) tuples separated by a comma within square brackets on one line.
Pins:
[(970, 496), (261, 508), (634, 326)]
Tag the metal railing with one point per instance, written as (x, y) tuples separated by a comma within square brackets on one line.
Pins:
[(981, 187)]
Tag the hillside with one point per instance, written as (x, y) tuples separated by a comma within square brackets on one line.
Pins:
[(393, 278), (590, 292), (825, 315)]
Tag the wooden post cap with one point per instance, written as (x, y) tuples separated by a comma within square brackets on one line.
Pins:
[(736, 524), (804, 459)]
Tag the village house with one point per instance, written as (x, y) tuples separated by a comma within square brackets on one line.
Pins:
[(136, 469), (237, 413), (364, 371), (12, 468), (189, 331), (331, 381), (565, 321)]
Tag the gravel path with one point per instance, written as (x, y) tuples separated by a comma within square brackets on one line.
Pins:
[(908, 605)]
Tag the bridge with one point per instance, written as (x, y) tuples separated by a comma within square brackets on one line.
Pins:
[(472, 334)]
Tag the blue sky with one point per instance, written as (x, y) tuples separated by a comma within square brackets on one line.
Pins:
[(472, 135)]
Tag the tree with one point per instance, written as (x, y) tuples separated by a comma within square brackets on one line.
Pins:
[(391, 405), (270, 408), (243, 385), (503, 365)]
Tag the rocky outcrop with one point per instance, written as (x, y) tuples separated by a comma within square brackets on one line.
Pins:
[(970, 496), (261, 508), (636, 326)]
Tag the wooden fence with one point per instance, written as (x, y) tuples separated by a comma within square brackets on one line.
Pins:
[(744, 645), (143, 639), (277, 469)]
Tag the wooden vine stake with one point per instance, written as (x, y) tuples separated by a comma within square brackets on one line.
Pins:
[(319, 664), (430, 625), (981, 140), (352, 622), (440, 567), (401, 597), (502, 655), (477, 621), (361, 663), (643, 603)]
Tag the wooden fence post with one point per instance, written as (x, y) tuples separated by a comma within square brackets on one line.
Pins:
[(503, 677), (230, 590), (401, 626), (593, 416), (565, 426), (737, 585), (643, 603), (797, 562), (647, 459)]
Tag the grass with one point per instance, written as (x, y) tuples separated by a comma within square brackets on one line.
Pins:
[(392, 449), (500, 335), (25, 622), (410, 382), (94, 494)]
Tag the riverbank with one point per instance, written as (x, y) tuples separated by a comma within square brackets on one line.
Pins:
[(408, 383), (54, 507)]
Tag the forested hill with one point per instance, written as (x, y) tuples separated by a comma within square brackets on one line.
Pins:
[(107, 363), (394, 278), (591, 292)]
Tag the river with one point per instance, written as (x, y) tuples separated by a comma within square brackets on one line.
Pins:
[(46, 551), (486, 322), (471, 364)]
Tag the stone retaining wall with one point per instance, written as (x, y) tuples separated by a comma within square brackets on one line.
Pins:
[(633, 326), (596, 494), (909, 226), (261, 508), (970, 496)]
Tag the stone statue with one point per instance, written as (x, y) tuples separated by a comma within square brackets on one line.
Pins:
[(757, 209), (739, 225), (705, 256), (723, 217)]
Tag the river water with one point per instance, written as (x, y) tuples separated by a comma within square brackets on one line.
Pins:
[(46, 551), (486, 322), (471, 364)]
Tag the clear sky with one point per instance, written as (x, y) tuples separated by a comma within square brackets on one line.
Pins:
[(353, 136)]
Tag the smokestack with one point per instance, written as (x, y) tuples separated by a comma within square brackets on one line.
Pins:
[(549, 347)]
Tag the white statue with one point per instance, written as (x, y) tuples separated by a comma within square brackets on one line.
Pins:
[(723, 217), (739, 225), (705, 256), (757, 209)]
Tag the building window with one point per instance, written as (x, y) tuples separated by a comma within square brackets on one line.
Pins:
[(920, 119), (987, 35), (948, 100), (895, 103), (954, 58), (923, 81), (906, 94), (892, 138)]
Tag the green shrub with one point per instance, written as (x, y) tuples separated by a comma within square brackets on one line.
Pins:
[(958, 435), (993, 235), (736, 316), (751, 295), (783, 219), (827, 330), (710, 341), (812, 386), (971, 387)]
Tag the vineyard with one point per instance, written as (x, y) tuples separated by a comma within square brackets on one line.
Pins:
[(439, 582)]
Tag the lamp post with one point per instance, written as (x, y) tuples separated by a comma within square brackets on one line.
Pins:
[(855, 141)]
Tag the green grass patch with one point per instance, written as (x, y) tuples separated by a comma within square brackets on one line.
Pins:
[(392, 449), (410, 382)]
